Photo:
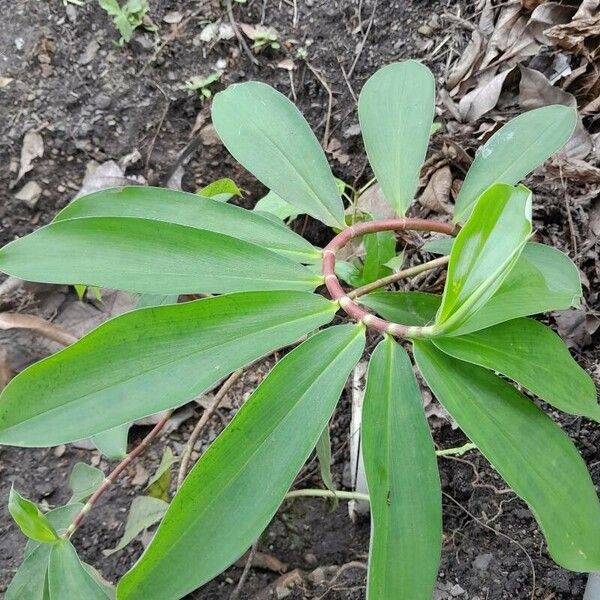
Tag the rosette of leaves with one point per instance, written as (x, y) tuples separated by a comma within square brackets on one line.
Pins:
[(474, 345)]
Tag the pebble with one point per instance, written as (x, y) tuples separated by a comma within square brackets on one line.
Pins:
[(482, 561), (102, 101), (29, 194), (456, 590)]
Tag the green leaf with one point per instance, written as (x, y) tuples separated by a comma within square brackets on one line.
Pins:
[(68, 577), (149, 360), (112, 7), (60, 518), (514, 151), (32, 522), (396, 109), (323, 450), (380, 247), (112, 442), (532, 355), (533, 455), (145, 511), (268, 135), (408, 308), (146, 300), (148, 256), (237, 485), (275, 205), (221, 189), (181, 208), (84, 481), (158, 486), (542, 279), (29, 582), (483, 253), (403, 480)]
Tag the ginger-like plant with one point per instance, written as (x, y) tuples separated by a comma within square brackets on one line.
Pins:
[(470, 345)]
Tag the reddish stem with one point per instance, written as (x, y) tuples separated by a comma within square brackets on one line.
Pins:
[(334, 287), (110, 479)]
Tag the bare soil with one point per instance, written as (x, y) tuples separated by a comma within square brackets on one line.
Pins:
[(92, 101)]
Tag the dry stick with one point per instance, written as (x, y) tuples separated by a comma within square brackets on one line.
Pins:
[(206, 415), (239, 36), (362, 44), (238, 588), (428, 266), (316, 73), (110, 479)]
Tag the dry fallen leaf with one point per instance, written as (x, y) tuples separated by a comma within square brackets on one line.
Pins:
[(6, 373), (264, 561), (581, 36), (29, 194), (466, 64), (483, 98), (576, 326), (33, 147), (436, 196), (373, 202), (38, 325)]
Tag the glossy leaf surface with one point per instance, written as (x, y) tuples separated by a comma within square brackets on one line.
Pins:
[(191, 210), (154, 257), (234, 490), (396, 109), (542, 279), (31, 521), (483, 253), (535, 357), (514, 151), (535, 457), (402, 476), (268, 135), (149, 360)]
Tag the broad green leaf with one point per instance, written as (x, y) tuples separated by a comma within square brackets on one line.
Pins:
[(323, 450), (268, 135), (194, 211), (68, 577), (396, 109), (514, 151), (158, 486), (483, 253), (112, 442), (542, 279), (84, 481), (60, 518), (441, 245), (234, 490), (145, 511), (531, 354), (153, 257), (379, 249), (149, 360), (32, 522), (221, 190), (146, 300), (29, 582), (408, 308), (535, 457), (403, 480), (275, 205)]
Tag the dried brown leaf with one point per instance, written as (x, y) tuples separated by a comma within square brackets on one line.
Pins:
[(483, 98), (264, 561), (436, 196), (580, 36), (33, 147), (6, 373), (466, 63)]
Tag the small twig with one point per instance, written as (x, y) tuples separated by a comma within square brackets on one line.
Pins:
[(362, 43), (110, 479), (238, 588), (206, 415), (317, 493), (348, 85), (38, 325), (428, 266), (456, 451), (316, 73), (239, 35), (155, 136)]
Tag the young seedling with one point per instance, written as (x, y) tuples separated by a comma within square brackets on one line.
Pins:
[(473, 345), (128, 17), (202, 85)]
